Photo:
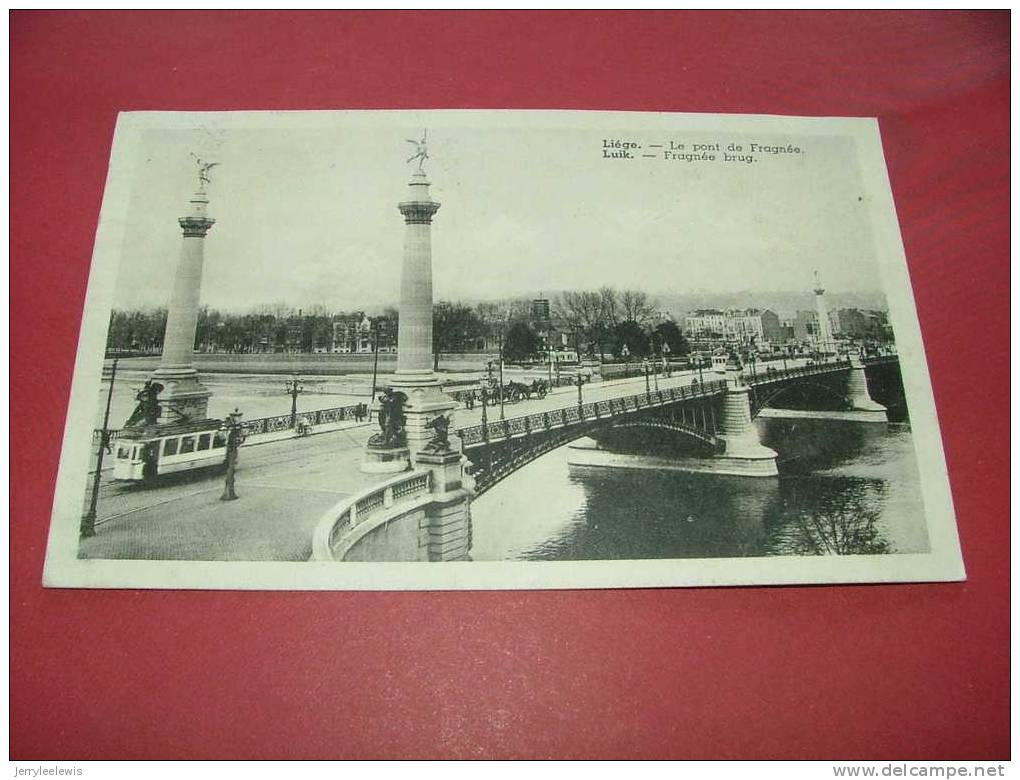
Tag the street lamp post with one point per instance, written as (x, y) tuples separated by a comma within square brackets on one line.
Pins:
[(648, 382), (294, 387), (375, 366), (485, 427), (235, 437), (580, 396), (502, 413), (88, 520)]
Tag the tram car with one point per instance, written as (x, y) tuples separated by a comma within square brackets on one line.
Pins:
[(720, 359), (143, 454)]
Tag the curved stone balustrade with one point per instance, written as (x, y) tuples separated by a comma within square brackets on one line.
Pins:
[(345, 524)]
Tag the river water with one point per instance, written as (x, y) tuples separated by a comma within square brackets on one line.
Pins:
[(255, 395), (843, 488)]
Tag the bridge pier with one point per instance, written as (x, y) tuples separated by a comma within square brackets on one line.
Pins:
[(738, 453), (864, 407), (744, 454)]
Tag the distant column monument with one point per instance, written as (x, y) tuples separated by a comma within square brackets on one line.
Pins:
[(183, 396), (825, 343)]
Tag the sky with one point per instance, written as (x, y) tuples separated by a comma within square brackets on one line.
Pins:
[(308, 216)]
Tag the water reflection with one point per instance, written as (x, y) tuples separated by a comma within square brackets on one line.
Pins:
[(843, 520), (844, 488)]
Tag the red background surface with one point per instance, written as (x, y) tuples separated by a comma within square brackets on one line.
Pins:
[(867, 672)]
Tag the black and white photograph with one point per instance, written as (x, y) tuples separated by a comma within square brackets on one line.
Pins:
[(498, 349)]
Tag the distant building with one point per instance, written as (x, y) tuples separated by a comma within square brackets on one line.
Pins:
[(743, 326), (805, 326), (858, 324), (705, 323), (352, 334), (293, 334), (754, 326), (661, 315), (386, 333), (541, 312)]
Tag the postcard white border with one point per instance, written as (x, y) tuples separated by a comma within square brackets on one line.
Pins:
[(64, 569)]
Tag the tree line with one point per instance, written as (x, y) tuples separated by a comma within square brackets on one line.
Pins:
[(595, 323), (263, 328)]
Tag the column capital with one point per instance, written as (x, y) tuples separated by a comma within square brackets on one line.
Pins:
[(196, 227), (418, 212)]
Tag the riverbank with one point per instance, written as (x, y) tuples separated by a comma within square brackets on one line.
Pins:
[(311, 365)]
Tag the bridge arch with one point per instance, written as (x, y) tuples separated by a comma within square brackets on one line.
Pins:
[(760, 398), (682, 429), (491, 465)]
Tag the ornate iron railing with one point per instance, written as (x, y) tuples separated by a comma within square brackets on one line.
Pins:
[(776, 375), (574, 415), (280, 422)]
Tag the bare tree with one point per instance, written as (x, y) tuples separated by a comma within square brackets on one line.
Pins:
[(585, 314), (609, 305), (636, 306)]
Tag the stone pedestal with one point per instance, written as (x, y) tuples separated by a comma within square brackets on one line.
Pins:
[(449, 517), (423, 405), (385, 460), (183, 396)]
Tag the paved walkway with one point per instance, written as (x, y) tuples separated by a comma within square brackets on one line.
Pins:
[(264, 524), (283, 488)]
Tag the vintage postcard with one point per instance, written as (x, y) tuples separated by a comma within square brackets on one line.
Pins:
[(498, 349)]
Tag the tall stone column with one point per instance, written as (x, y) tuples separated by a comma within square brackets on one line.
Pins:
[(415, 377), (825, 342), (183, 396), (414, 335), (449, 515)]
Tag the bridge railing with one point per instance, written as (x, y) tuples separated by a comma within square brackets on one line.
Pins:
[(814, 369), (348, 521), (575, 414), (877, 360), (280, 422)]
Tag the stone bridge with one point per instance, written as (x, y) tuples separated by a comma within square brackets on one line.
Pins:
[(425, 514), (716, 416)]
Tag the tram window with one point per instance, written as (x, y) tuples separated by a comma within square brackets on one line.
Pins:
[(187, 444), (203, 441), (219, 440), (170, 448), (124, 452)]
